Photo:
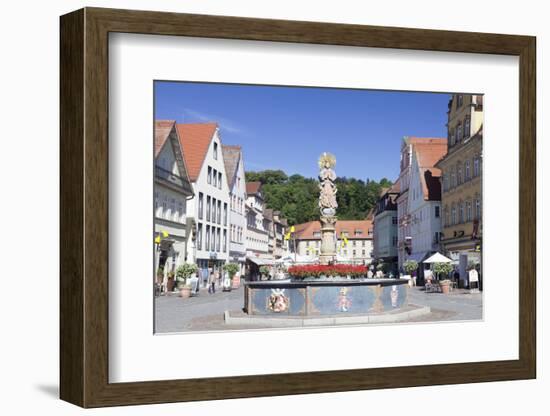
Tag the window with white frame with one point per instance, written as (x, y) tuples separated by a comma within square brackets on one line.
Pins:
[(467, 127), (468, 211), (208, 207), (478, 208), (201, 207), (158, 210), (459, 132), (476, 167), (181, 212), (209, 175), (467, 172), (215, 151), (199, 236), (453, 214), (461, 213)]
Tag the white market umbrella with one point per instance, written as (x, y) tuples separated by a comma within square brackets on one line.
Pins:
[(437, 258)]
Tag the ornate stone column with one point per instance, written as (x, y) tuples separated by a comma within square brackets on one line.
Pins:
[(327, 208)]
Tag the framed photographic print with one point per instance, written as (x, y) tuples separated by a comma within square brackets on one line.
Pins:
[(255, 207)]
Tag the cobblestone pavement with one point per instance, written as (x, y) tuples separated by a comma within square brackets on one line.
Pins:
[(205, 311)]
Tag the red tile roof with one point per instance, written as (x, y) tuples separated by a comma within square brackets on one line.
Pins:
[(162, 131), (195, 139), (428, 153), (306, 230), (253, 187)]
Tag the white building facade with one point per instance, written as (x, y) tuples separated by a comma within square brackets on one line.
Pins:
[(257, 226), (202, 150), (234, 166), (424, 201), (172, 190)]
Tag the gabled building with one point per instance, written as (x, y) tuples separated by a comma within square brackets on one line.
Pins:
[(461, 182), (424, 200), (280, 225), (202, 150), (234, 168), (385, 228), (172, 191), (404, 219), (354, 241), (257, 225)]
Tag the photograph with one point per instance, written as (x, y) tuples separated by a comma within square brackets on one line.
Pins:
[(291, 207)]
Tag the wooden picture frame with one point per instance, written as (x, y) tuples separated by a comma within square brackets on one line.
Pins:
[(84, 207)]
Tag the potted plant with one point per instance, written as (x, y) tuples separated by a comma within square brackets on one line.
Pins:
[(170, 282), (443, 269), (183, 273), (231, 269), (264, 271), (410, 266)]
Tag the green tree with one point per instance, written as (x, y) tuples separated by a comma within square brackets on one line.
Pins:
[(297, 197)]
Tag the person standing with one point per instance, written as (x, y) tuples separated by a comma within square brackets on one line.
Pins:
[(204, 276), (211, 283)]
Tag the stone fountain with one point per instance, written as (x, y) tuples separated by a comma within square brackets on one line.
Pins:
[(311, 296)]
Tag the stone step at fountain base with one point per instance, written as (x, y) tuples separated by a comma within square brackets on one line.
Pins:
[(270, 321)]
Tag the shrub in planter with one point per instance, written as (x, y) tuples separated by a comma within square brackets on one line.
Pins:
[(410, 266), (264, 270), (183, 273), (443, 269), (231, 269)]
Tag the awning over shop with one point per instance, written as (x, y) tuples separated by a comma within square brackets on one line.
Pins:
[(261, 262)]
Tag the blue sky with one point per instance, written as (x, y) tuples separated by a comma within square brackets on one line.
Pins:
[(289, 127)]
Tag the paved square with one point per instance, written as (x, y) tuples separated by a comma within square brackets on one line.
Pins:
[(205, 312)]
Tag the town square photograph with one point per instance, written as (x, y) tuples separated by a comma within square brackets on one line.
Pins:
[(293, 207)]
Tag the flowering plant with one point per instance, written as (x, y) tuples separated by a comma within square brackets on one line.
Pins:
[(333, 270)]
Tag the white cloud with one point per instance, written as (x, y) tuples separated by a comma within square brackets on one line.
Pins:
[(190, 115)]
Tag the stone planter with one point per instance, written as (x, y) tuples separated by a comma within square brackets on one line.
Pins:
[(445, 286), (236, 282), (185, 291)]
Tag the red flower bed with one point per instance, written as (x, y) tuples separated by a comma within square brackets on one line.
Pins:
[(317, 270)]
